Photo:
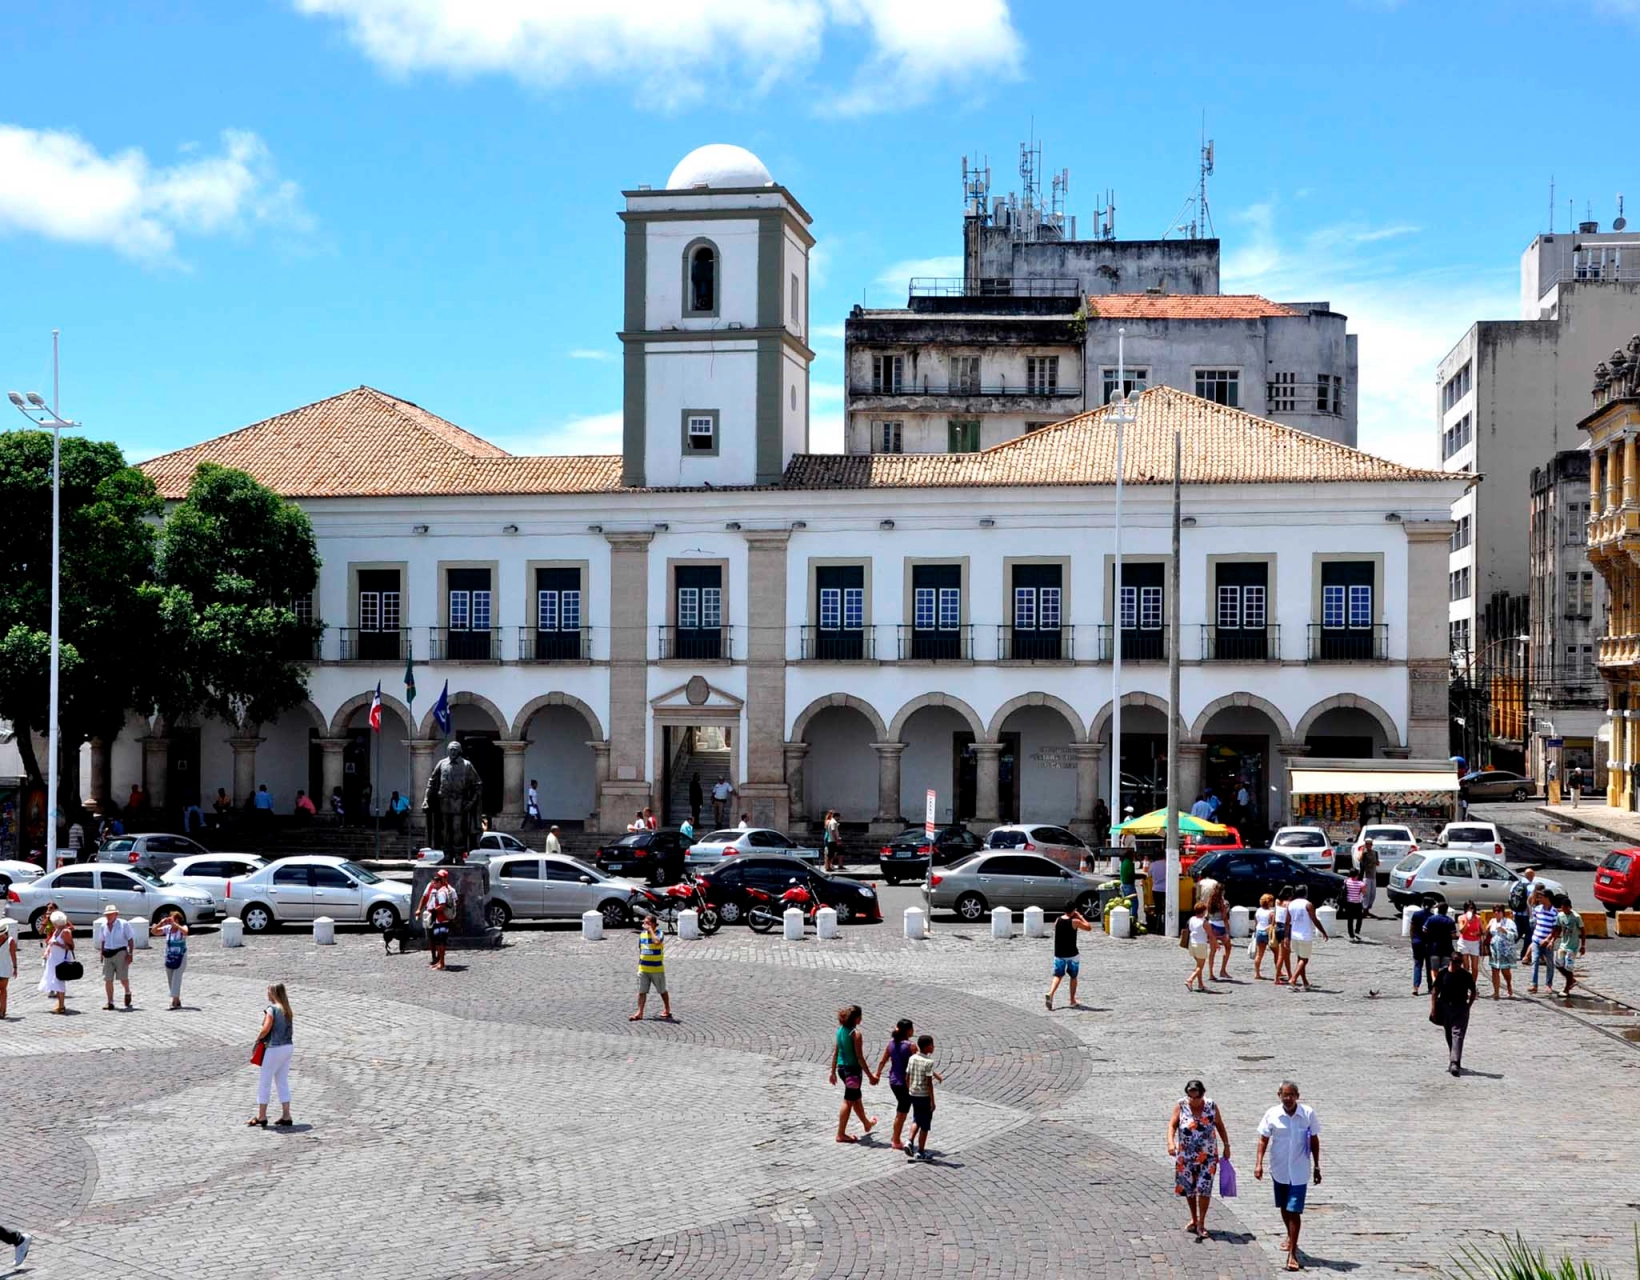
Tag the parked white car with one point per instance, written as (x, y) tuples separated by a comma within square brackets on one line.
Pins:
[(532, 886), (491, 844), (81, 893), (296, 890), (729, 843), (212, 871), (1471, 837), (1457, 877), (1038, 837), (1389, 841), (14, 870), (1308, 845)]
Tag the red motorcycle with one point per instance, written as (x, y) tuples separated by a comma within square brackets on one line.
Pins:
[(669, 903), (765, 912)]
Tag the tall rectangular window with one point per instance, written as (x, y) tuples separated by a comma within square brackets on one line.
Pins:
[(1037, 613), (965, 375), (1042, 374), (1347, 627), (887, 373), (467, 615), (888, 437), (698, 612), (936, 591), (797, 305), (302, 607), (963, 435), (831, 609), (701, 432), (557, 615), (1329, 394), (1140, 615), (1282, 393), (1222, 386), (379, 637)]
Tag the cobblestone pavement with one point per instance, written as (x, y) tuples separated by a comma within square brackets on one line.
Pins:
[(506, 1121)]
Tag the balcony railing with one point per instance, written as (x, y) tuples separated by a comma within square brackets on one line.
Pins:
[(458, 644), (995, 287), (1139, 644), (360, 645), (574, 645), (1034, 644), (1055, 391), (940, 644), (695, 644), (1349, 644), (837, 644), (306, 650), (1241, 644)]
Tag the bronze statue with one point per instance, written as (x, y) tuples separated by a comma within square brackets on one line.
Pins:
[(454, 792)]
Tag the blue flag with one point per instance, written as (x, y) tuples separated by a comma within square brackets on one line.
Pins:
[(441, 709)]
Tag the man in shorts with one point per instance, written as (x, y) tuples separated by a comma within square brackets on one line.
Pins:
[(1305, 924), (652, 968), (1290, 1136), (1066, 961), (116, 944)]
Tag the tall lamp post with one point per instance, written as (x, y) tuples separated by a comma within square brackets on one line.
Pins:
[(1124, 411), (37, 411)]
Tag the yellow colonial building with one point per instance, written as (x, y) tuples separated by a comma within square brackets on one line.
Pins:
[(1614, 547)]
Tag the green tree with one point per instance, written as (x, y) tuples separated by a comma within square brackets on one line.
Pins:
[(233, 556), (108, 546)]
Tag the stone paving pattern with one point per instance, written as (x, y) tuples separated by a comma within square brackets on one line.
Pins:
[(505, 1120)]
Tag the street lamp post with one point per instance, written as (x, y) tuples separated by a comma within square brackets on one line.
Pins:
[(35, 409), (1124, 410)]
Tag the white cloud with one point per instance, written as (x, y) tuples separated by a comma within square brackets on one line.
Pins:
[(675, 51), (828, 332), (1407, 316), (591, 353), (819, 265), (827, 393), (897, 276), (60, 187), (594, 433)]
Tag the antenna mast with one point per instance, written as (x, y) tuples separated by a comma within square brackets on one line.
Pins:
[(1204, 215)]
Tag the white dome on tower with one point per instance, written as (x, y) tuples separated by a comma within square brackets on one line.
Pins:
[(719, 164)]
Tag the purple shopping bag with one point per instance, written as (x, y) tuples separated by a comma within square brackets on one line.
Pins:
[(1227, 1178)]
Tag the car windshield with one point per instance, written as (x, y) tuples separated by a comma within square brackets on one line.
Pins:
[(359, 873), (1009, 839), (1386, 833), (584, 869), (1470, 835), (123, 844), (723, 837), (1301, 840), (1616, 862), (143, 873), (1410, 863), (633, 841)]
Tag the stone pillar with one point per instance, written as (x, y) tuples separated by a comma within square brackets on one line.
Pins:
[(1597, 490), (102, 753), (511, 816), (1288, 751), (766, 788), (1088, 757), (422, 751), (987, 758), (1428, 642), (1631, 470), (600, 775), (626, 788), (156, 768), (1614, 475), (888, 816), (1190, 774), (330, 772), (244, 766), (796, 753)]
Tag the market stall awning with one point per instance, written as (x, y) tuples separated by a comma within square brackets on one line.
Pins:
[(1371, 781), (1154, 823)]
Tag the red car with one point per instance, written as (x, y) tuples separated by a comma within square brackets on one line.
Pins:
[(1617, 882), (1200, 846)]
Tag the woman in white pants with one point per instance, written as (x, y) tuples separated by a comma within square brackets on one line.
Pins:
[(275, 1036)]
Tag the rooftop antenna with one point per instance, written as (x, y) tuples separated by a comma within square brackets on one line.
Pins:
[(1551, 204), (1204, 215), (1619, 222)]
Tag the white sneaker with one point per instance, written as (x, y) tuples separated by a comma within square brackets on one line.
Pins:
[(21, 1252)]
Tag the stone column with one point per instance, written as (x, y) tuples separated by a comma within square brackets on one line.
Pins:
[(330, 772), (888, 816), (422, 751), (1614, 475), (1428, 643), (1190, 774), (1597, 490), (600, 775), (626, 789), (1088, 756), (1288, 751), (1631, 470), (102, 753), (796, 753), (244, 766), (156, 768), (766, 789), (987, 758), (511, 816)]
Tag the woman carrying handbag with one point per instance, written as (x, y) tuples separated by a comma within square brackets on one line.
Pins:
[(61, 967), (272, 1054)]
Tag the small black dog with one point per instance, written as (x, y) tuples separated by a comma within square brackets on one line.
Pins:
[(402, 933)]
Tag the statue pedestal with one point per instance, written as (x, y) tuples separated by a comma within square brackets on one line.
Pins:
[(471, 881)]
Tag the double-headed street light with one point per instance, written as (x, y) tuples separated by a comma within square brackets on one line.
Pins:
[(1124, 412), (33, 407)]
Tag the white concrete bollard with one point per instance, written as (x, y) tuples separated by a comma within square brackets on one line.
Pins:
[(1238, 922), (916, 923), (689, 923), (825, 922), (1035, 925), (1002, 922), (233, 932), (1121, 921), (1407, 912), (592, 926), (139, 929), (1328, 916), (793, 924), (324, 931)]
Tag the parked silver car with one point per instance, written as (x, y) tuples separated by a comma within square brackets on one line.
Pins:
[(81, 893), (1039, 837), (1457, 877), (212, 871), (538, 887), (1008, 879), (156, 850), (492, 844), (715, 846), (301, 889)]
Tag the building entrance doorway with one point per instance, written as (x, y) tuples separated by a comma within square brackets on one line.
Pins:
[(688, 752)]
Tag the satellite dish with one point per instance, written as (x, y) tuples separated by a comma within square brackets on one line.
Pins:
[(1619, 223)]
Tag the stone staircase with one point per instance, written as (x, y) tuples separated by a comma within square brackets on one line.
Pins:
[(711, 765)]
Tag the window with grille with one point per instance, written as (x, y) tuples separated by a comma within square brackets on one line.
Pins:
[(1222, 386), (924, 600), (1133, 379), (1150, 608), (963, 435), (689, 608), (831, 608), (950, 608), (1042, 374), (702, 432), (1048, 608), (1361, 604), (1283, 393), (378, 611), (965, 374), (1329, 394), (888, 437), (887, 373), (1129, 617), (854, 608), (1576, 524), (1332, 606)]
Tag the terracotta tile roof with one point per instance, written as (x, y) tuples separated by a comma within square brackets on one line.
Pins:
[(1220, 446), (1183, 306), (366, 443)]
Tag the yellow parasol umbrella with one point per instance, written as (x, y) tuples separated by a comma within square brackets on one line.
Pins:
[(1154, 823)]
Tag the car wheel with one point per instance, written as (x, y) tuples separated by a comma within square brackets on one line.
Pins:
[(893, 880), (615, 913), (256, 918), (1519, 793), (730, 912), (845, 913), (971, 907), (36, 921), (383, 917), (496, 915), (1088, 904), (164, 914)]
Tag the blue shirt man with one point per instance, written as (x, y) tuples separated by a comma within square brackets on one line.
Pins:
[(1201, 809), (264, 801)]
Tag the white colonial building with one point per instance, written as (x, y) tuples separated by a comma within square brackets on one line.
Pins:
[(829, 631)]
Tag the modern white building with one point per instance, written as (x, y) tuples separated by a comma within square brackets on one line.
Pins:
[(827, 631)]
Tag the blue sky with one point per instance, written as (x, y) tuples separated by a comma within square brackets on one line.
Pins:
[(231, 210)]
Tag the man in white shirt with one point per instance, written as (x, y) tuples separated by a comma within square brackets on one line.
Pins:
[(1304, 925), (745, 822), (720, 801), (116, 944), (1290, 1134), (554, 846), (532, 806)]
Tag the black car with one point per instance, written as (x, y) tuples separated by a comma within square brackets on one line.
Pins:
[(728, 882), (655, 856), (1249, 874), (907, 855)]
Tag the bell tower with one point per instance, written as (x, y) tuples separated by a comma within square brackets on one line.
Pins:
[(715, 336)]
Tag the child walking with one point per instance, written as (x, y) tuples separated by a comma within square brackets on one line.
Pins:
[(920, 1077), (1355, 893)]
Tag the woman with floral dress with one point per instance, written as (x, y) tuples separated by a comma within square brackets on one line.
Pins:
[(1502, 946), (1193, 1137)]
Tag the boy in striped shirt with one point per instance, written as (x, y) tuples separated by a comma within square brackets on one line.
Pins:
[(1543, 928), (651, 968)]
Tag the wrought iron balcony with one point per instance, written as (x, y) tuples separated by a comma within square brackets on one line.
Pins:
[(458, 644), (1241, 644), (373, 645), (572, 645), (1035, 644), (1349, 644), (695, 644), (936, 644), (837, 644)]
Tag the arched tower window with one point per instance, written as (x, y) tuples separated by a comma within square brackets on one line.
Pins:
[(700, 279)]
